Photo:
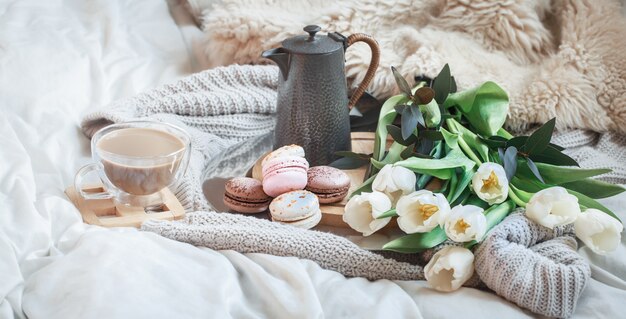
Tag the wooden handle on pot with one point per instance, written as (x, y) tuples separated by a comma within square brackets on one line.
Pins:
[(373, 64)]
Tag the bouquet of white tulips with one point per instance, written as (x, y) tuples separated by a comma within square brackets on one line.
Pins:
[(455, 140)]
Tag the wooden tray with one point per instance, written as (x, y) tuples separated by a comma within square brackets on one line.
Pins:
[(104, 212), (332, 214)]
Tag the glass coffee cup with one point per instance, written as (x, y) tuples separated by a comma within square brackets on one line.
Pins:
[(135, 161)]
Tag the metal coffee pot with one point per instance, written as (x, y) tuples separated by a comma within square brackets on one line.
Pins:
[(313, 107)]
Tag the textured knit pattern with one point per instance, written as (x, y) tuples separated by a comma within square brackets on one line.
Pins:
[(224, 231), (224, 106), (218, 108), (595, 150), (533, 266)]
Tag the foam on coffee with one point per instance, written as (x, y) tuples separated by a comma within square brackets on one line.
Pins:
[(153, 158)]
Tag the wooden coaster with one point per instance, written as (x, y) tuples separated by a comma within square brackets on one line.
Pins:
[(104, 212)]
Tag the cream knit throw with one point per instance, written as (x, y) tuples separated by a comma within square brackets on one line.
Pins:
[(223, 106)]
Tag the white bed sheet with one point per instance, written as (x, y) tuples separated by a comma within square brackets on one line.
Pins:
[(59, 59)]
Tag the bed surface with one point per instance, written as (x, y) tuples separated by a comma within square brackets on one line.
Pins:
[(59, 59)]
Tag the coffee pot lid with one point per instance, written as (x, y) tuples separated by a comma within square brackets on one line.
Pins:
[(312, 43)]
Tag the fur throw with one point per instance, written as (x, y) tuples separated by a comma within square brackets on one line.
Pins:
[(563, 58)]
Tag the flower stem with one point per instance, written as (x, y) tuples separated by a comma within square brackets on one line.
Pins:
[(516, 199), (468, 151), (466, 148)]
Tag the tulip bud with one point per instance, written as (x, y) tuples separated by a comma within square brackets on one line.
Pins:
[(421, 211), (552, 207), (394, 181), (449, 268), (466, 223), (361, 211), (599, 231), (490, 183)]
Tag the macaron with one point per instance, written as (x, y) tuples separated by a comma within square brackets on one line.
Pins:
[(287, 150), (284, 174), (245, 195), (328, 183), (257, 169), (296, 208)]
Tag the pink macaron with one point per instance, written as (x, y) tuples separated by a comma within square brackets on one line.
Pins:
[(284, 174)]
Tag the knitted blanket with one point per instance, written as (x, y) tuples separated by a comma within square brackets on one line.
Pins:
[(223, 106)]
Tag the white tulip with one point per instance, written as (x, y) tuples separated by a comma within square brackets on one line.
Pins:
[(394, 181), (599, 231), (490, 183), (421, 211), (449, 268), (552, 207), (466, 223), (361, 212)]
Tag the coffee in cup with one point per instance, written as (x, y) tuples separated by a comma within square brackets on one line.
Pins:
[(136, 160)]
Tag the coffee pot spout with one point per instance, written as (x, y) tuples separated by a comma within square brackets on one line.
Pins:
[(281, 57)]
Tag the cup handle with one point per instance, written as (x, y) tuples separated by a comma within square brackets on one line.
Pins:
[(373, 64), (78, 182)]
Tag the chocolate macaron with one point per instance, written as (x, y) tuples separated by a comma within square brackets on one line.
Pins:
[(245, 195), (328, 183)]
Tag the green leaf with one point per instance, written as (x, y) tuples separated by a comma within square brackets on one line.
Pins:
[(485, 107), (365, 187), (558, 147), (462, 198), (401, 82), (510, 162), (394, 154), (454, 180), (472, 140), (408, 152), (415, 243), (539, 140), (389, 213), (518, 142), (592, 203), (432, 114), (529, 185), (349, 163), (555, 175), (386, 117), (442, 84), (494, 141), (400, 108), (551, 155), (452, 85), (462, 185), (594, 188), (451, 139), (533, 168), (431, 135), (523, 195), (476, 201), (503, 133), (441, 168), (410, 118), (396, 134)]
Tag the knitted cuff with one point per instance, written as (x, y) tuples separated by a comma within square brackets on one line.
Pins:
[(222, 231), (533, 266)]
